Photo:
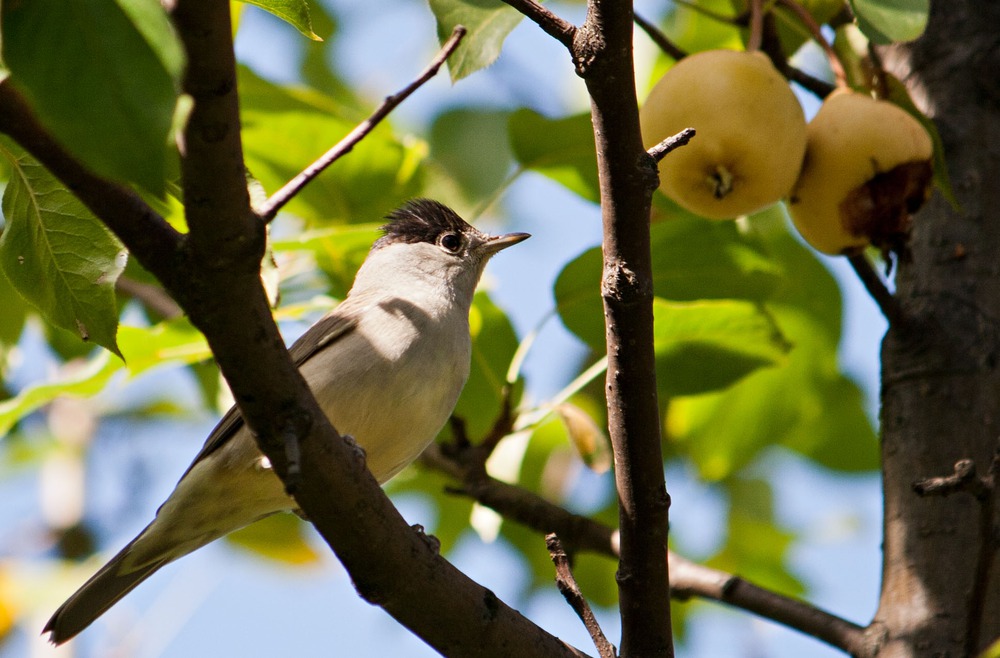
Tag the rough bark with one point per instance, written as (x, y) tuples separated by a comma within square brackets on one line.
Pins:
[(941, 382)]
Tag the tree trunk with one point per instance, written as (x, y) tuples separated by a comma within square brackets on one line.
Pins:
[(940, 377)]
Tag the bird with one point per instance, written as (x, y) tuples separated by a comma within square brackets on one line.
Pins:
[(386, 365)]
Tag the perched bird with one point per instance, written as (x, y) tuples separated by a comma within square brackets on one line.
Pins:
[(386, 365)]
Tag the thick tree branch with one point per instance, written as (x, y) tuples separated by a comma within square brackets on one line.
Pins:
[(146, 234), (278, 200), (603, 53), (224, 230)]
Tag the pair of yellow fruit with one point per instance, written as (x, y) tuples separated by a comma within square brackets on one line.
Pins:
[(850, 178)]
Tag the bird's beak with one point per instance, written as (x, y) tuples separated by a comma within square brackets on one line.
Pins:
[(496, 243)]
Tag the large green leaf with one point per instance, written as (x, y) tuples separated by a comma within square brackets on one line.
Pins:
[(493, 345), (58, 256), (755, 546), (293, 12), (15, 311), (488, 23), (886, 21), (103, 77), (805, 403), (562, 149), (707, 345), (692, 259), (458, 132), (285, 129)]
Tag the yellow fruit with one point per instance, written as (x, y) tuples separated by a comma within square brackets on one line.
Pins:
[(751, 133), (867, 168)]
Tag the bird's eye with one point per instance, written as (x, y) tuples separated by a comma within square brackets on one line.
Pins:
[(451, 241)]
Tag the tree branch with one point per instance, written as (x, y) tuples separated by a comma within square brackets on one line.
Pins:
[(223, 228), (659, 38), (602, 53), (278, 200), (557, 28), (566, 584), (672, 143), (687, 578), (873, 283), (627, 174)]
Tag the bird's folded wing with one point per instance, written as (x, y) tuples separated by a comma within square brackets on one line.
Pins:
[(326, 331)]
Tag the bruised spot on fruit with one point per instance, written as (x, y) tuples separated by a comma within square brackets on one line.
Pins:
[(882, 207)]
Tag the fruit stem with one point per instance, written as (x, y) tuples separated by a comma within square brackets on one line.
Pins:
[(756, 37), (836, 66)]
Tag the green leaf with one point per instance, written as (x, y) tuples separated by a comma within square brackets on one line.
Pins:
[(886, 21), (339, 251), (562, 149), (58, 256), (692, 259), (488, 23), (708, 345), (103, 77), (279, 537), (15, 311), (493, 345), (756, 548), (293, 12), (458, 132), (286, 128), (172, 342), (85, 381), (805, 403)]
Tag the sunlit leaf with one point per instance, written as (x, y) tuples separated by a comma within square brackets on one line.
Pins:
[(708, 345), (285, 129), (279, 537), (488, 24), (293, 12), (57, 254), (589, 439), (103, 77), (692, 259), (886, 21)]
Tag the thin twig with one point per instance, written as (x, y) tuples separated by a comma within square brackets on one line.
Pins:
[(839, 74), (873, 283), (154, 298), (571, 592), (659, 38), (270, 208), (561, 30), (671, 143)]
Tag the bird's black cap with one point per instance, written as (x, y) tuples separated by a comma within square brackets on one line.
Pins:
[(421, 220)]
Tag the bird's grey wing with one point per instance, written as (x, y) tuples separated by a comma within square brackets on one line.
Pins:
[(102, 591), (326, 331)]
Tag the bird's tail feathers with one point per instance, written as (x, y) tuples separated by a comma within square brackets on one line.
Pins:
[(114, 580)]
